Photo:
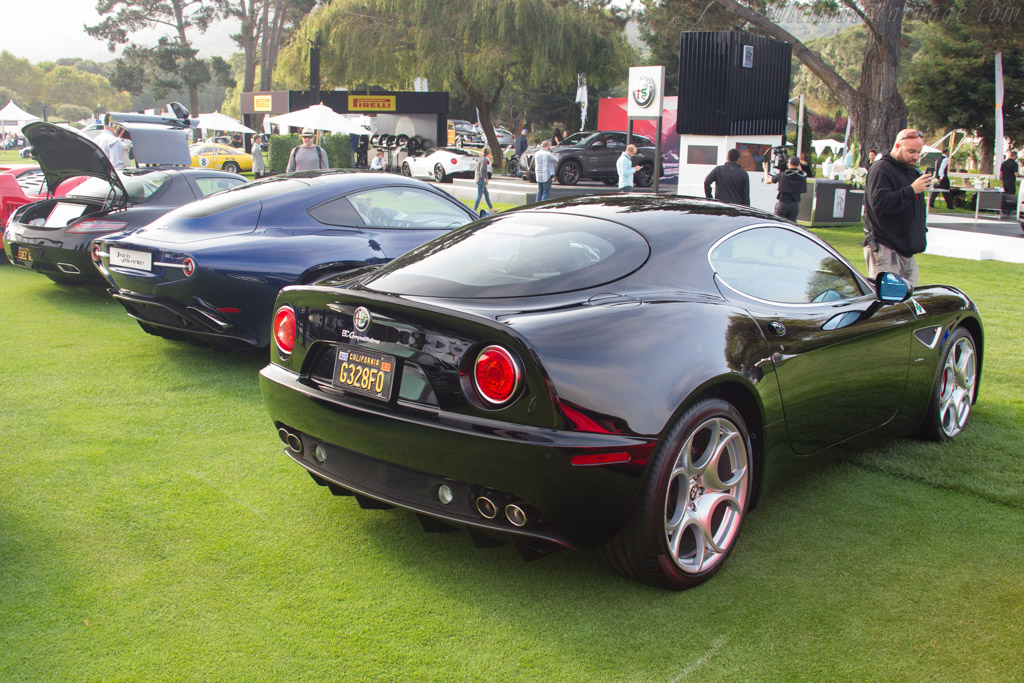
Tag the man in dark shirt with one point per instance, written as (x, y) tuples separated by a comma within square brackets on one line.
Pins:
[(732, 184), (792, 183), (1008, 173), (942, 181), (894, 215)]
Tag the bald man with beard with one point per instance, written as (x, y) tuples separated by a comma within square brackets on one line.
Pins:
[(894, 217)]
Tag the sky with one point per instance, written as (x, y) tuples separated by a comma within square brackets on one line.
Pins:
[(46, 30)]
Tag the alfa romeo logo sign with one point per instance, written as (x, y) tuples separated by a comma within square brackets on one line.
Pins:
[(644, 91), (361, 319)]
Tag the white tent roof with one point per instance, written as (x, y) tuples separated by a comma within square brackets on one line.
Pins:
[(13, 112), (218, 121), (319, 117)]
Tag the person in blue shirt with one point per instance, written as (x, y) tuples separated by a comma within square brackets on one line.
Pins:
[(626, 169), (544, 167)]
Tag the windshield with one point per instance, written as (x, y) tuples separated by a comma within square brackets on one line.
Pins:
[(523, 254), (141, 188), (576, 138)]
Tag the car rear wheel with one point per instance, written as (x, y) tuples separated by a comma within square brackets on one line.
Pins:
[(439, 174), (230, 167), (953, 393), (406, 171), (645, 176), (689, 511), (513, 166), (569, 173), (459, 142)]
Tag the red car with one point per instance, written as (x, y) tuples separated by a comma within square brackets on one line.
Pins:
[(21, 185)]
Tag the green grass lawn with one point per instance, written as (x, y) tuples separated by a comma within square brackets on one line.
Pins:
[(152, 529)]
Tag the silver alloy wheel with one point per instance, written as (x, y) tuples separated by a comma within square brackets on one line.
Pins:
[(439, 173), (706, 495), (956, 390)]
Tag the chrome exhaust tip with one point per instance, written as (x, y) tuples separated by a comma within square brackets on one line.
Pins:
[(486, 507), (293, 442), (516, 515), (69, 268)]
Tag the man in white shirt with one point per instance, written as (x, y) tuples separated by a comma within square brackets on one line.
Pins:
[(378, 162), (544, 168), (111, 145), (626, 169)]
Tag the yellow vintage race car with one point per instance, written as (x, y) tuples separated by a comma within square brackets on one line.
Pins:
[(212, 155)]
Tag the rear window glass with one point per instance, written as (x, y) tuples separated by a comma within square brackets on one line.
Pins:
[(140, 187), (249, 192), (208, 186), (522, 254)]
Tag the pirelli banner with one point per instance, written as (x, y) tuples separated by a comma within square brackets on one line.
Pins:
[(366, 104)]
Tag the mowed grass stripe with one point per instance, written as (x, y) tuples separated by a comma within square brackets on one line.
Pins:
[(152, 529)]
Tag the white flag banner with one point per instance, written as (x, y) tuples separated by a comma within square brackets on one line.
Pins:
[(581, 98), (999, 112)]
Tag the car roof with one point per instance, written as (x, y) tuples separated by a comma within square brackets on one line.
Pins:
[(660, 218)]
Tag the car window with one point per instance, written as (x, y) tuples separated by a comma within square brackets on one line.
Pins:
[(618, 141), (576, 138), (777, 264), (140, 187), (524, 254), (405, 207), (208, 186)]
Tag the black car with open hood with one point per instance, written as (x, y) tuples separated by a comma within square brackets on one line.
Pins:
[(52, 236)]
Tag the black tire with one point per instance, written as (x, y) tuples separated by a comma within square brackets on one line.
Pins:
[(513, 166), (230, 167), (956, 387), (645, 176), (459, 142), (406, 171), (569, 172), (439, 174), (712, 431)]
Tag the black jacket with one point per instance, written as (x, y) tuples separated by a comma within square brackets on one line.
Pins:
[(894, 215), (732, 184), (792, 183)]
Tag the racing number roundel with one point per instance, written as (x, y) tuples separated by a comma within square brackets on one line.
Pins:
[(204, 161)]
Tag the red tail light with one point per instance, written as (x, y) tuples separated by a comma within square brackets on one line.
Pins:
[(496, 375), (454, 161), (95, 252), (189, 266), (284, 329), (96, 225)]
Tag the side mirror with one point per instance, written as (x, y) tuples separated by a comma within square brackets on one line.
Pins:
[(597, 145), (892, 289)]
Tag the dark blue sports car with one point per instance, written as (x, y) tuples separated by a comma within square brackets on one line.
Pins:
[(209, 272)]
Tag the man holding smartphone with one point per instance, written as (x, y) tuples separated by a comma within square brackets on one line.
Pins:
[(894, 216)]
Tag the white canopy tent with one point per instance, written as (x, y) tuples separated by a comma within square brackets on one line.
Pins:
[(320, 117), (217, 121), (13, 116)]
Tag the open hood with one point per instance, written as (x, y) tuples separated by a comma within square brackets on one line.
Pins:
[(64, 154)]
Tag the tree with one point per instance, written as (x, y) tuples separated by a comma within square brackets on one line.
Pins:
[(874, 104), (65, 85), (20, 76), (952, 82), (263, 27), (479, 45), (125, 17)]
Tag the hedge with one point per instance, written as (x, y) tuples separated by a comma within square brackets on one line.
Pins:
[(338, 148)]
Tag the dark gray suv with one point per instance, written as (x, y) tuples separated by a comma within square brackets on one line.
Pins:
[(593, 155)]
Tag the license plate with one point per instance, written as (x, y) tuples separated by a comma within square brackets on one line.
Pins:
[(364, 372), (139, 260), (23, 254)]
